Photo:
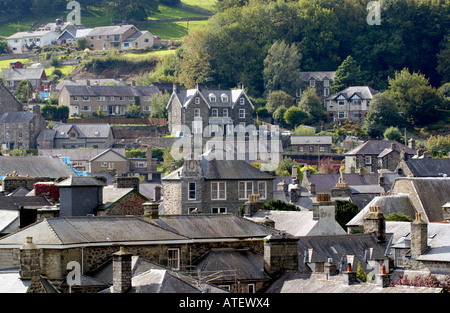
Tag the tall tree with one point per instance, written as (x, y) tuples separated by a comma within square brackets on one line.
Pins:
[(282, 68), (312, 106), (347, 74)]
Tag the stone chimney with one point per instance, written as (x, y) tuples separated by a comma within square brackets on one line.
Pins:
[(446, 212), (122, 272), (341, 189), (323, 206), (88, 82), (280, 253), (381, 179), (253, 205), (412, 144), (29, 255), (403, 154), (419, 236), (349, 276), (157, 193), (127, 182), (294, 172), (151, 209), (36, 109), (382, 279), (374, 222)]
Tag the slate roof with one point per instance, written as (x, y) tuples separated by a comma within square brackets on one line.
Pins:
[(14, 202), (84, 130), (117, 91), (105, 152), (185, 96), (318, 283), (431, 192), (376, 147), (19, 74), (311, 140), (93, 82), (76, 154), (318, 75), (363, 92), (213, 226), (438, 239), (232, 264), (90, 230), (17, 117), (337, 247), (34, 166), (112, 195), (388, 204), (428, 167), (111, 30), (80, 181)]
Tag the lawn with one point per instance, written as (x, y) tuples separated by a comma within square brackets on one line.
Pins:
[(5, 63), (172, 13), (208, 5), (65, 69), (172, 30), (145, 54)]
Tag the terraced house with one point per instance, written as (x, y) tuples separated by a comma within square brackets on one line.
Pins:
[(119, 37), (209, 111), (109, 100)]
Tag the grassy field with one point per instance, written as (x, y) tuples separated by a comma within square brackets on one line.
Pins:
[(172, 30), (208, 5), (5, 63), (65, 69)]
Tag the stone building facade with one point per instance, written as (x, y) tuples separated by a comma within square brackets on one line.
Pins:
[(208, 111), (20, 130), (8, 102)]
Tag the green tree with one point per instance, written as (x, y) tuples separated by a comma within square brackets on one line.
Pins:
[(382, 113), (303, 130), (169, 164), (282, 68), (443, 60), (279, 205), (438, 146), (159, 102), (24, 91), (130, 10), (294, 116), (49, 112), (311, 104), (421, 104), (347, 74), (398, 217), (278, 116), (393, 133), (278, 98), (82, 43), (345, 211), (62, 112), (285, 167), (133, 111)]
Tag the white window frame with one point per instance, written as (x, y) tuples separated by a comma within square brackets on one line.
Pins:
[(245, 189), (251, 288), (214, 112), (101, 98), (341, 102), (242, 101), (86, 98), (197, 112), (173, 258), (262, 191), (345, 114), (241, 113), (83, 108), (312, 83), (326, 83), (212, 98), (190, 191), (104, 164), (217, 188), (326, 92), (225, 112), (197, 100), (368, 159)]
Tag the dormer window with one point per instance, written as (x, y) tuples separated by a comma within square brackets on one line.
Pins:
[(312, 83), (224, 97), (212, 97), (326, 83)]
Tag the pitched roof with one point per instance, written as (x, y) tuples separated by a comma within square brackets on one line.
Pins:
[(86, 230), (111, 195), (213, 226), (363, 92), (84, 82), (311, 140), (428, 167), (80, 181), (318, 75), (19, 74), (116, 91), (375, 147), (105, 152), (111, 30), (17, 117), (240, 264), (34, 166), (84, 130)]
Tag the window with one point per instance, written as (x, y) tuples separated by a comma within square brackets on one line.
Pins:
[(191, 192), (214, 112), (196, 112), (262, 189), (342, 114), (104, 164), (356, 102), (75, 98), (242, 101), (191, 209), (312, 83), (85, 108), (298, 93), (99, 37), (20, 134), (322, 149), (241, 113), (356, 114), (219, 210), (225, 112), (111, 98), (197, 100), (341, 102), (173, 258), (251, 288), (311, 148), (197, 127), (86, 98), (368, 159), (326, 83), (245, 189), (122, 98), (212, 98), (326, 92), (218, 191), (224, 97), (101, 98)]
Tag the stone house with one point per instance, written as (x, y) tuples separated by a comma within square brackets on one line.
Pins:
[(424, 167), (20, 130), (16, 74), (8, 102), (311, 145), (350, 104), (109, 161), (81, 135), (215, 186), (110, 100), (119, 37), (322, 81), (208, 111), (374, 155)]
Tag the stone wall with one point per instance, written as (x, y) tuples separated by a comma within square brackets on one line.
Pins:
[(172, 197), (131, 204), (8, 102), (11, 183)]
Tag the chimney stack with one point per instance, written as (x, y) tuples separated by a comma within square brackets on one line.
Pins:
[(151, 209), (419, 236), (382, 280), (280, 253), (157, 193), (374, 222), (122, 273), (253, 205), (29, 260)]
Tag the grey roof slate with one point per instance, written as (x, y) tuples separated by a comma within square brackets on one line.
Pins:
[(17, 117), (14, 202), (375, 147), (34, 166), (84, 82), (429, 167), (318, 75), (110, 30), (84, 130), (19, 74), (363, 92), (80, 181), (185, 96), (117, 91)]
